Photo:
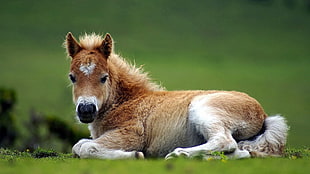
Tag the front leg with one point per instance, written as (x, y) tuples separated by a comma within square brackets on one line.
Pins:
[(76, 148), (108, 146), (91, 149)]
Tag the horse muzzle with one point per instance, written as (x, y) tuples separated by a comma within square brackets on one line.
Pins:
[(87, 109)]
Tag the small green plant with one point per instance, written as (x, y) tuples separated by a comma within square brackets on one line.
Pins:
[(209, 156), (8, 154), (219, 155), (8, 131), (293, 153), (42, 153)]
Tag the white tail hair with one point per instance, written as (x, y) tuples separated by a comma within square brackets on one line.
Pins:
[(271, 142)]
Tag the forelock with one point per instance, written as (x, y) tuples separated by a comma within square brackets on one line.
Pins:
[(90, 41)]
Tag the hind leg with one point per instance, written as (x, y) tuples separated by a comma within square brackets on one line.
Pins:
[(208, 121), (219, 142)]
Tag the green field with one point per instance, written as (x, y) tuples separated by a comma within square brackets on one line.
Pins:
[(252, 46), (295, 161), (47, 166)]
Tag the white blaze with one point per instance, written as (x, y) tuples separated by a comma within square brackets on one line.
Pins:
[(87, 69)]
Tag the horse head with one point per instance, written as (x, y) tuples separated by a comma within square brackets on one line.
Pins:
[(89, 73)]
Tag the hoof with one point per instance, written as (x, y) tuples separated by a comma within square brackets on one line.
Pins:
[(177, 153), (139, 155)]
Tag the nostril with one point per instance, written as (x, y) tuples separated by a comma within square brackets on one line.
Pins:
[(93, 108), (80, 108)]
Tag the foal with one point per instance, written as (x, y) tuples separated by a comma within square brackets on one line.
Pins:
[(130, 117)]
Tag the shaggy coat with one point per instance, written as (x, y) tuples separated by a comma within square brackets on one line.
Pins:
[(131, 117)]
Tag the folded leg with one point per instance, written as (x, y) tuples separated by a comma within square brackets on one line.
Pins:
[(112, 145), (90, 149), (217, 143), (208, 122)]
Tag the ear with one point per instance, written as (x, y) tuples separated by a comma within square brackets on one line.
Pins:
[(106, 47), (73, 47)]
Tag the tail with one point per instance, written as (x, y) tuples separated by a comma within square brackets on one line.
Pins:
[(271, 142)]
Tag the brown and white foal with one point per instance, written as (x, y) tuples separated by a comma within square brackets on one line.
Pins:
[(131, 117)]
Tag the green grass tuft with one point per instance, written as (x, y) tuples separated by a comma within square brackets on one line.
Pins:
[(42, 153), (295, 153), (7, 154)]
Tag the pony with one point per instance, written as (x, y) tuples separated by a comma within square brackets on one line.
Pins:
[(129, 116)]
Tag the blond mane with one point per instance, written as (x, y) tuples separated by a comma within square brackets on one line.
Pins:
[(136, 74), (90, 41)]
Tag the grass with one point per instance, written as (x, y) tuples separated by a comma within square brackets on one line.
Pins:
[(295, 161)]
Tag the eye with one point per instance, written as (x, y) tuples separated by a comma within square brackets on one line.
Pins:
[(104, 78), (72, 78)]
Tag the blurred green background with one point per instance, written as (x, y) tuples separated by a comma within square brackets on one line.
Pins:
[(261, 47)]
